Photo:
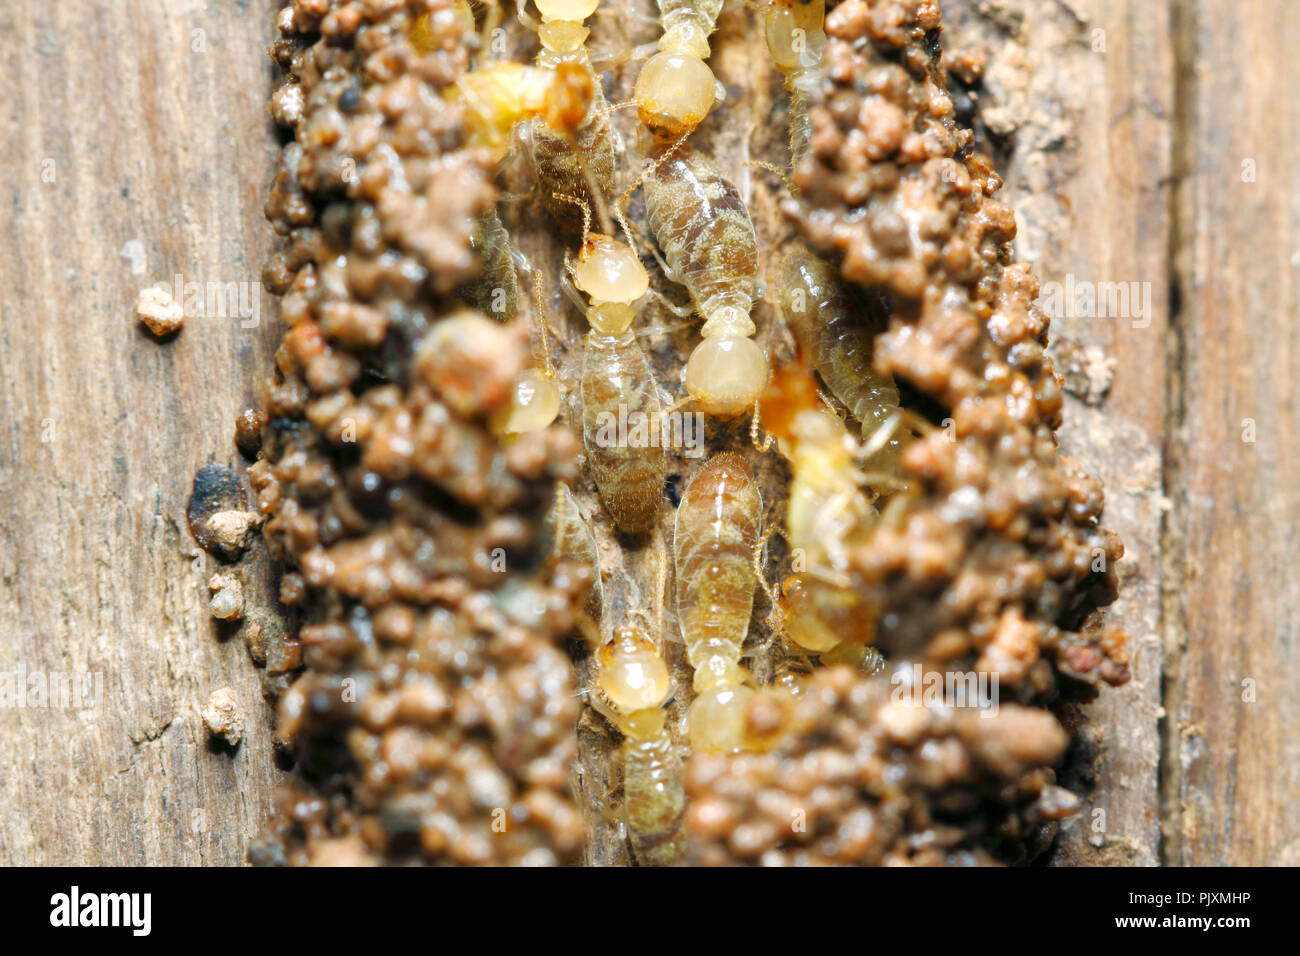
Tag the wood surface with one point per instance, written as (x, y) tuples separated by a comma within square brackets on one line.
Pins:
[(136, 146)]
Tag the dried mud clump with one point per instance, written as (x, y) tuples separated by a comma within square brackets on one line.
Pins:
[(433, 718), (1000, 563), (858, 778)]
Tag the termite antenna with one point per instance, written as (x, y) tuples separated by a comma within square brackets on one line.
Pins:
[(774, 617), (491, 21), (776, 170), (624, 199), (542, 325), (918, 423), (586, 215), (617, 106), (602, 211), (661, 583), (524, 17), (755, 430)]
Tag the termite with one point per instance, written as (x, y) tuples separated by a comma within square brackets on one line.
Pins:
[(576, 156), (556, 107), (705, 231), (837, 337), (634, 681), (496, 290), (632, 687), (570, 539), (796, 36), (622, 415), (716, 531), (818, 606)]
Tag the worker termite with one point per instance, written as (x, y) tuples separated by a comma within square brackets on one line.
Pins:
[(570, 539), (701, 223), (617, 381), (796, 36), (716, 531), (634, 684), (819, 605), (676, 89), (555, 108), (837, 336), (574, 157)]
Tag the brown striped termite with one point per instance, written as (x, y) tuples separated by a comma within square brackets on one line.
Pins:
[(555, 108), (570, 541), (495, 291), (707, 237), (576, 155), (837, 335), (716, 532), (622, 415)]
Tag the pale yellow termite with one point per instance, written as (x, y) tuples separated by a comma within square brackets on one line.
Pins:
[(717, 528)]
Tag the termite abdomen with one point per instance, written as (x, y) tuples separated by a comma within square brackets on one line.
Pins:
[(837, 333), (717, 528), (620, 428)]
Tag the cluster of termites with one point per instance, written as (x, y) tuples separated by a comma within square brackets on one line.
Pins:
[(554, 113)]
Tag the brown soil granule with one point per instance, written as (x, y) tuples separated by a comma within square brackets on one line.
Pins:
[(860, 778), (434, 718), (248, 431), (222, 718), (159, 311), (1000, 561)]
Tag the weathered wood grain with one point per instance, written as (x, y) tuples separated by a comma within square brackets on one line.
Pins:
[(1232, 757), (136, 147), (1076, 103)]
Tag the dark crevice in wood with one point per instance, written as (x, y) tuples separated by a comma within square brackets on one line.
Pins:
[(1182, 228)]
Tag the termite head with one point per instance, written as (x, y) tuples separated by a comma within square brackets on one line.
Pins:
[(819, 616), (716, 719), (802, 627), (498, 96), (574, 11), (569, 97), (795, 33), (674, 92), (726, 374), (609, 271), (633, 674)]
